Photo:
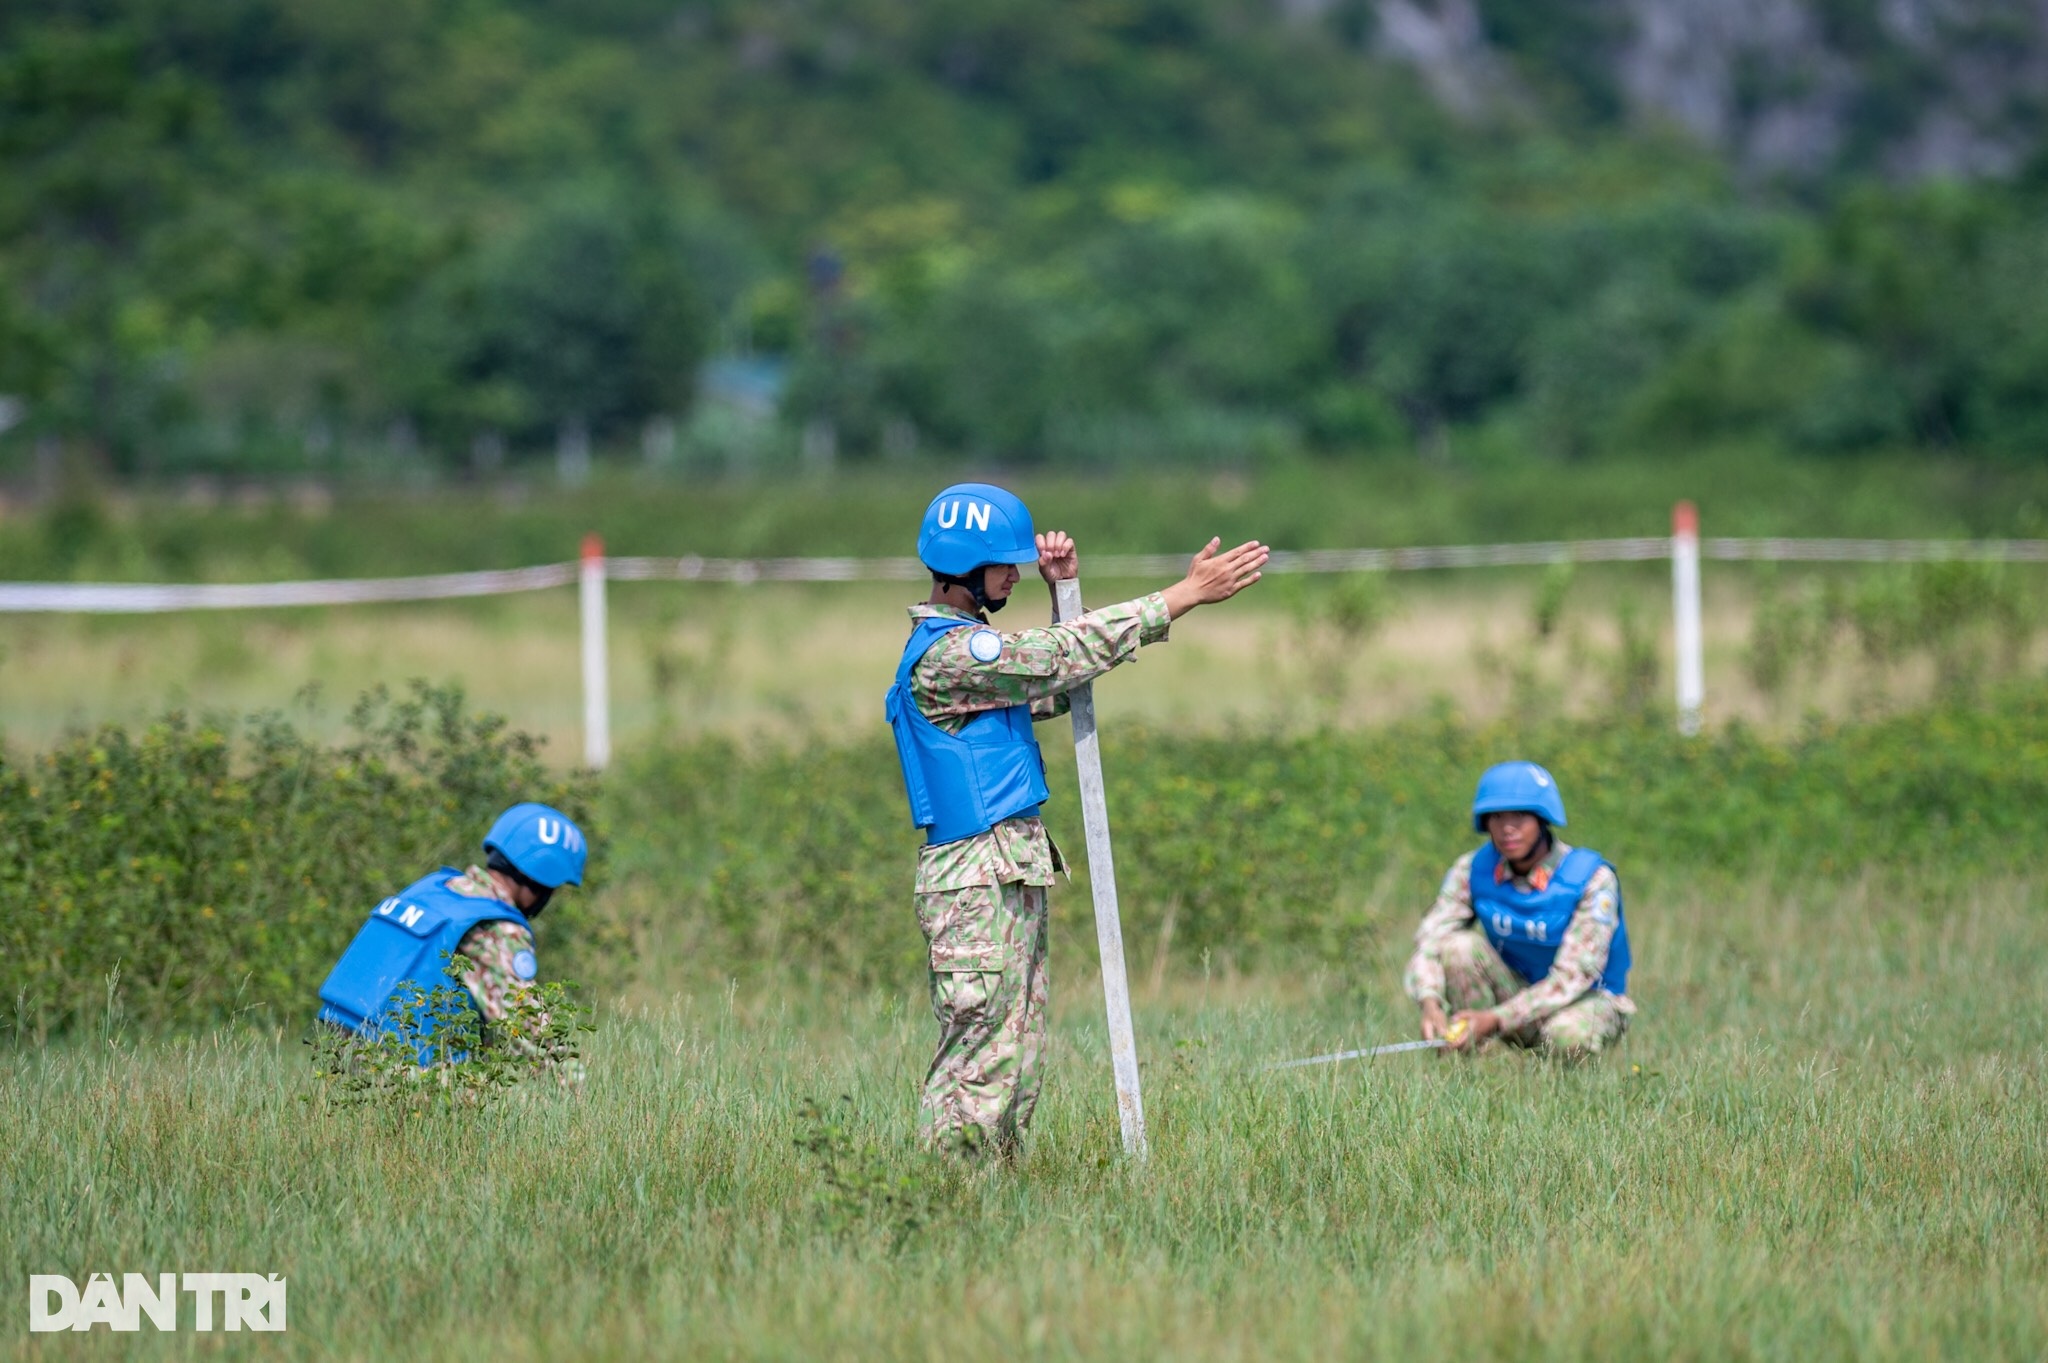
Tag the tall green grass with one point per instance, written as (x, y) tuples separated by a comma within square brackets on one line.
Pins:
[(1827, 1137)]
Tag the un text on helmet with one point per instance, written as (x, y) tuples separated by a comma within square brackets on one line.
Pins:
[(977, 514)]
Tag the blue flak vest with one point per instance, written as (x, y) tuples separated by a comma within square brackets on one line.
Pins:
[(966, 783), (404, 941), (1526, 929)]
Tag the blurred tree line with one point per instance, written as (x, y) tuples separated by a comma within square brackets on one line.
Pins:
[(258, 234)]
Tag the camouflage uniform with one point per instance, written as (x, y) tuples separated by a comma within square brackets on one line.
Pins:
[(981, 901), (1566, 1011), (489, 970)]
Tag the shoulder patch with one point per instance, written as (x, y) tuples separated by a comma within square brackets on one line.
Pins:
[(985, 645), (524, 966)]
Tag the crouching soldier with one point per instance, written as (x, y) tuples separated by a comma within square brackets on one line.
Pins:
[(469, 928), (1526, 940)]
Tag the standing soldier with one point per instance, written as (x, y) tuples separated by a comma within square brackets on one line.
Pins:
[(476, 924), (1526, 940), (962, 706)]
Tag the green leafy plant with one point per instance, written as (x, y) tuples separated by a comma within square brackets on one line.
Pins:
[(1970, 621), (1333, 622), (436, 1052), (1551, 595), (1636, 666), (1788, 634), (862, 1188)]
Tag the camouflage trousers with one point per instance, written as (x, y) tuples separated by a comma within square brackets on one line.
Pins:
[(988, 987), (1476, 977)]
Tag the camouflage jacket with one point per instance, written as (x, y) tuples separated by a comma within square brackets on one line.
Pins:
[(1037, 667), (498, 966), (1581, 956), (492, 965)]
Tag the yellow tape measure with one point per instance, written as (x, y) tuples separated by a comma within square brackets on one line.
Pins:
[(1456, 1035)]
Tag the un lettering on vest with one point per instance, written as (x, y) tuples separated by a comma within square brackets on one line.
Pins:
[(977, 514), (1535, 929), (409, 915)]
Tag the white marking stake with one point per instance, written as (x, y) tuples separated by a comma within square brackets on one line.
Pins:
[(1685, 613), (597, 710), (1109, 933)]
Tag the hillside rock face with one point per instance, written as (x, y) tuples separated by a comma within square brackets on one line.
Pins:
[(1910, 88)]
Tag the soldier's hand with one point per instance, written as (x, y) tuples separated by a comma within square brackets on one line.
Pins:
[(1478, 1024), (1215, 576), (1058, 560), (1432, 1020)]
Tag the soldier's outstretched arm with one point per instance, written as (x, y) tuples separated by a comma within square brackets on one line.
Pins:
[(1217, 576), (968, 672)]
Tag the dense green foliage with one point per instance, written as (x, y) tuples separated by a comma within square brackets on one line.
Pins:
[(188, 873), (1252, 849), (221, 876), (262, 235)]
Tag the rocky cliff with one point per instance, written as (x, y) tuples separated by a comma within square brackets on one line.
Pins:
[(1910, 89)]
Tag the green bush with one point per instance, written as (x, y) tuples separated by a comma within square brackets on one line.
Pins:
[(438, 1054), (222, 871), (1310, 849), (223, 874)]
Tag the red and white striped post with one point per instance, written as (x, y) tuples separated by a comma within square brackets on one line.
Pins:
[(597, 721), (1685, 612)]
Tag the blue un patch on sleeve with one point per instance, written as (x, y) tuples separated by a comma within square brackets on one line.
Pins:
[(985, 645), (524, 966)]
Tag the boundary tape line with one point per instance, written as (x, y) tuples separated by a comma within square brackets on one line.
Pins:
[(152, 598)]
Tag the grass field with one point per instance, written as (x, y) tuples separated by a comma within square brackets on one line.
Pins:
[(811, 661), (1826, 1138)]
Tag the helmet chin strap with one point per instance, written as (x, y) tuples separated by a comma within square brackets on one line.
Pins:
[(499, 862), (977, 587)]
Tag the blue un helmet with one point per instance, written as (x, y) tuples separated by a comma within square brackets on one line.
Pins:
[(1522, 786), (970, 526), (540, 843)]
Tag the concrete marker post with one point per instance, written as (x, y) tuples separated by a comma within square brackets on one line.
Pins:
[(1685, 612), (597, 722), (1109, 933)]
